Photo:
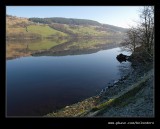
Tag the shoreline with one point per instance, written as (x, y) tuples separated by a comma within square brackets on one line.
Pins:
[(95, 105)]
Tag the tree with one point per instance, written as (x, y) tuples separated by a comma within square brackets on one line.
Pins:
[(143, 34), (147, 28), (132, 40)]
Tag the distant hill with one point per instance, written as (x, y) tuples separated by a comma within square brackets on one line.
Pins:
[(56, 27), (72, 21), (68, 21), (115, 28)]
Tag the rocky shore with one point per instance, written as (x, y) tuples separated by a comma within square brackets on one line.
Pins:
[(134, 100), (130, 96)]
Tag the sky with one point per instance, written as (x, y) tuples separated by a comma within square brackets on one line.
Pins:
[(122, 16)]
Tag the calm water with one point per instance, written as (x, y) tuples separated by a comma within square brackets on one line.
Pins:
[(39, 85)]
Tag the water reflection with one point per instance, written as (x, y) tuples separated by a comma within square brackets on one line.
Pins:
[(15, 49)]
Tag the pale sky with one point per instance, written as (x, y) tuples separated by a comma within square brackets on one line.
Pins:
[(122, 16)]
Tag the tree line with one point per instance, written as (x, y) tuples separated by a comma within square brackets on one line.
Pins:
[(69, 21)]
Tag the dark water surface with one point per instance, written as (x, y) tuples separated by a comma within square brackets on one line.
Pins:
[(39, 85)]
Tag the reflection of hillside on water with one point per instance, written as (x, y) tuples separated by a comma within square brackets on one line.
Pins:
[(79, 46), (16, 49)]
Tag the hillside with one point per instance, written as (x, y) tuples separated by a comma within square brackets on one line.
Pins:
[(37, 28), (74, 22), (22, 28)]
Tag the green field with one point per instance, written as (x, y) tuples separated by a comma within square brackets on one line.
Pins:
[(44, 30), (86, 31)]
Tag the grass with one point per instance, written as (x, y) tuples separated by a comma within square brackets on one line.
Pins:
[(91, 31), (12, 27), (102, 105), (16, 30), (44, 30), (86, 31), (15, 21)]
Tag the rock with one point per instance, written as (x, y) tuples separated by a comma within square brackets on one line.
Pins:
[(122, 57), (67, 107), (97, 97), (106, 88), (115, 82), (109, 86)]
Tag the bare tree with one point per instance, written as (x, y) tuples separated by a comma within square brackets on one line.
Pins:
[(147, 28), (143, 34), (132, 40)]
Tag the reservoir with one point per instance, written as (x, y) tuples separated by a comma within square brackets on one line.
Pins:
[(37, 85)]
